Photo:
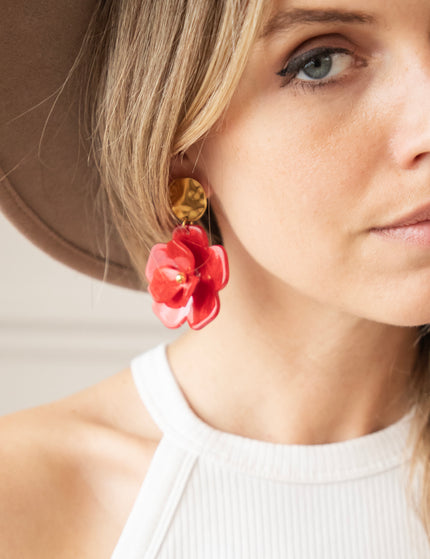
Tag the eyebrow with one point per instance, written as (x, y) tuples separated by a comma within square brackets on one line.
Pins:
[(292, 18)]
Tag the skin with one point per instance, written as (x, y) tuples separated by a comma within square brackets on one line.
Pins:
[(324, 310)]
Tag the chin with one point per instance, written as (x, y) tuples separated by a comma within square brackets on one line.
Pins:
[(401, 303)]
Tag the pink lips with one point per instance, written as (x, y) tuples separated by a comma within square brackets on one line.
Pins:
[(413, 228)]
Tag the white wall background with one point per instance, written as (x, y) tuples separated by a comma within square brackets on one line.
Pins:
[(60, 330)]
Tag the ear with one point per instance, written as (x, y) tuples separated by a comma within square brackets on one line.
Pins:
[(182, 166)]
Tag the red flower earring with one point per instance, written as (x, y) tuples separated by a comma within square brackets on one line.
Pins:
[(185, 274)]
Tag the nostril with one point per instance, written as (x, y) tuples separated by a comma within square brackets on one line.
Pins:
[(420, 159), (421, 156)]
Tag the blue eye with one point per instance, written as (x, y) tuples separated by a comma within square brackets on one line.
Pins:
[(316, 65)]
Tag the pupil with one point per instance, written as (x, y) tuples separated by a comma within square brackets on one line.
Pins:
[(318, 67)]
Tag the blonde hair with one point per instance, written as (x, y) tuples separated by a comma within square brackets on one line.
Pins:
[(157, 76)]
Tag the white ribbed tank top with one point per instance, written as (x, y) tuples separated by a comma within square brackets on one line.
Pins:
[(210, 494)]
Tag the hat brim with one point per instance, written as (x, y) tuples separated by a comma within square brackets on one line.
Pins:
[(47, 189)]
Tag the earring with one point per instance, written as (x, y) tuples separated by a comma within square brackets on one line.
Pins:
[(185, 274)]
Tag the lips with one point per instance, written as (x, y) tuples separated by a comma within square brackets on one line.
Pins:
[(415, 216)]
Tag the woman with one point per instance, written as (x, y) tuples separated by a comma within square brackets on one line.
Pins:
[(283, 425)]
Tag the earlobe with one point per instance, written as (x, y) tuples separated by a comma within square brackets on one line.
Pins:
[(180, 165)]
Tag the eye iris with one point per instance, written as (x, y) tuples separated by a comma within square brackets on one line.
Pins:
[(318, 67)]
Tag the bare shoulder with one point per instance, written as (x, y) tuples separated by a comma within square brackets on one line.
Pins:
[(71, 470)]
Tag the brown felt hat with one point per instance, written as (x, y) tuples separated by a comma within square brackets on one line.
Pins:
[(47, 187)]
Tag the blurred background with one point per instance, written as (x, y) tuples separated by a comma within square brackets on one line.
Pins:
[(61, 331)]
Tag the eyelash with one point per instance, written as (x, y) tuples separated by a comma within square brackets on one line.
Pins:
[(298, 63)]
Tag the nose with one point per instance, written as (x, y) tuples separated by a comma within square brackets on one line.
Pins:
[(410, 140)]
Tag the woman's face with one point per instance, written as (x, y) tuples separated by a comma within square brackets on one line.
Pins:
[(327, 137)]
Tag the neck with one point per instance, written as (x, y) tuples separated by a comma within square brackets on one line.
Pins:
[(292, 371)]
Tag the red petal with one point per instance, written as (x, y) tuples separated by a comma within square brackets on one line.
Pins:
[(195, 238), (165, 289), (181, 256), (172, 254), (215, 268), (205, 306), (191, 235), (172, 318)]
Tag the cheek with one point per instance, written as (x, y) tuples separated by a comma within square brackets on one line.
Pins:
[(298, 187), (287, 185)]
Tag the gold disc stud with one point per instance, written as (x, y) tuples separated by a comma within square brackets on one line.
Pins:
[(188, 199)]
